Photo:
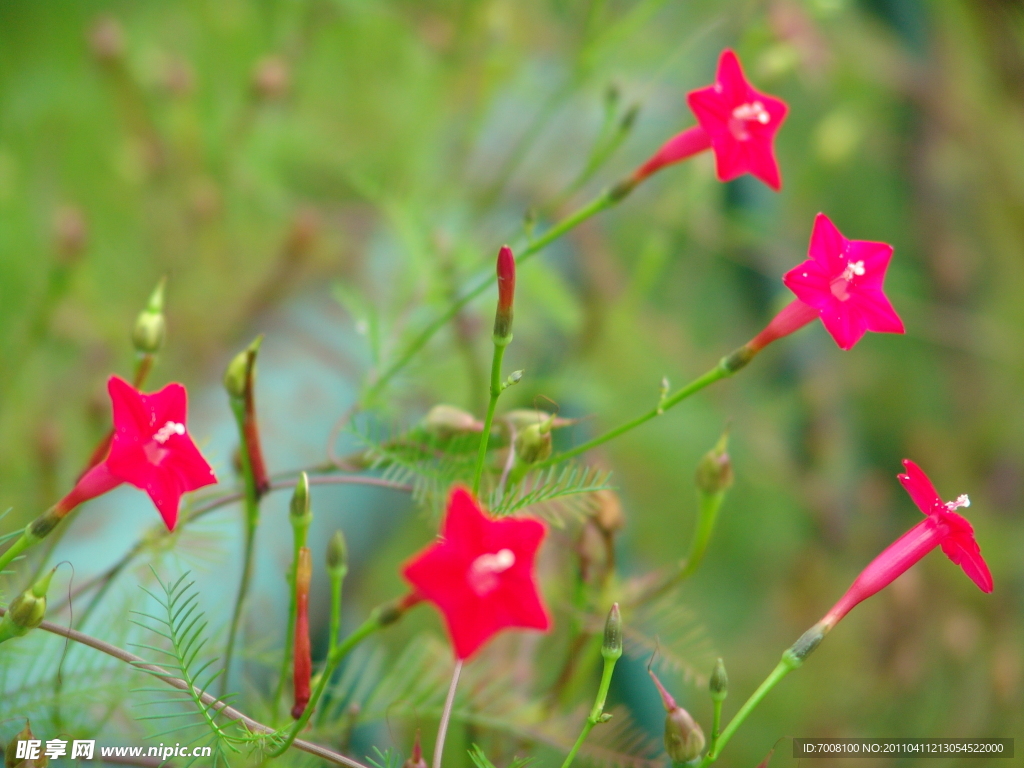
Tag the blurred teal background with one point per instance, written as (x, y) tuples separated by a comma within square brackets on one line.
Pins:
[(331, 171)]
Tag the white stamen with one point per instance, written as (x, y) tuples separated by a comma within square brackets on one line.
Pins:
[(483, 573), (961, 501), (752, 111), (853, 268), (170, 428)]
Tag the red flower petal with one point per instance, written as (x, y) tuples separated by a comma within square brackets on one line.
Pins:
[(961, 547), (480, 574), (920, 488)]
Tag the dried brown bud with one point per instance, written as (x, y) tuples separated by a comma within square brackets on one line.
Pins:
[(11, 759), (106, 39), (271, 77), (70, 233), (608, 515)]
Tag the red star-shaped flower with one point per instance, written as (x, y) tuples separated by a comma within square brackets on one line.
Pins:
[(843, 281), (740, 122), (480, 574), (942, 527), (151, 449)]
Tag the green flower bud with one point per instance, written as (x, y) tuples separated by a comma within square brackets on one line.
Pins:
[(533, 443), (337, 554), (611, 648), (447, 421), (684, 739), (150, 327), (27, 610), (241, 369), (714, 472), (719, 682), (300, 511)]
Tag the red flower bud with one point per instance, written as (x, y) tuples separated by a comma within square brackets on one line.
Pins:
[(506, 295), (303, 664)]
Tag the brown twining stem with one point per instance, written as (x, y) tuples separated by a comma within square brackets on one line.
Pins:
[(218, 707)]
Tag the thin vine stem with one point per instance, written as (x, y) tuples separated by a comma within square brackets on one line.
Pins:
[(208, 700), (492, 403), (104, 579), (446, 716), (605, 200), (720, 371)]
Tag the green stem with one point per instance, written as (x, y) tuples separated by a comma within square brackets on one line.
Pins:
[(485, 436), (337, 654), (601, 202), (289, 638), (710, 503), (25, 541), (716, 725), (252, 518), (720, 371), (786, 665), (597, 711), (337, 579)]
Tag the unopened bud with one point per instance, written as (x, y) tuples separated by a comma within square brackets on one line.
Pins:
[(271, 77), (629, 118), (446, 421), (684, 739), (241, 369), (150, 327), (611, 647), (11, 759), (27, 610), (608, 515), (70, 233), (337, 554), (506, 270), (719, 682), (106, 39), (300, 510), (416, 758), (533, 443), (714, 472)]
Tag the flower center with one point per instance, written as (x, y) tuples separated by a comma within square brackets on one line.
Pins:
[(170, 428), (961, 501), (839, 285), (751, 112), (484, 571)]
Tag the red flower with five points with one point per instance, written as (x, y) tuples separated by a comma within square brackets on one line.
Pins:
[(842, 283), (736, 121), (942, 527), (480, 574), (151, 450)]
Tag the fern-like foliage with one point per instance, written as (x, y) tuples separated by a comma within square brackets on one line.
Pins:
[(667, 630), (480, 760), (556, 493), (181, 624), (386, 759), (431, 464)]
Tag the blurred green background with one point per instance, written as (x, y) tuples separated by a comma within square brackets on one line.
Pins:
[(367, 157)]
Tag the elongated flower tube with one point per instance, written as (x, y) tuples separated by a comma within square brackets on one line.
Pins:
[(303, 664), (736, 121), (942, 527), (480, 574)]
